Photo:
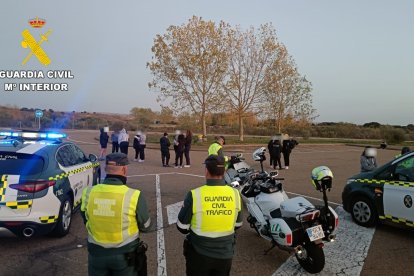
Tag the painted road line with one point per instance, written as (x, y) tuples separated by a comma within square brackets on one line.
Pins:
[(162, 264), (345, 256), (172, 212)]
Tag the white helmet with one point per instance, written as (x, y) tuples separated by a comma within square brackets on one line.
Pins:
[(259, 154)]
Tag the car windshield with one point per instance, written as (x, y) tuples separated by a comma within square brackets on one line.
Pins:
[(20, 164)]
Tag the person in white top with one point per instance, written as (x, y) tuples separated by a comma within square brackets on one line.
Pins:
[(123, 140)]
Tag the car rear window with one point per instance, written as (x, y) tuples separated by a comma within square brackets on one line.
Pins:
[(20, 164)]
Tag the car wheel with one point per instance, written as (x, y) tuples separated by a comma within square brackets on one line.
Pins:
[(65, 218), (363, 212)]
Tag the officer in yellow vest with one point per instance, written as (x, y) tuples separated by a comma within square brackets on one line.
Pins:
[(217, 147), (114, 215), (210, 215)]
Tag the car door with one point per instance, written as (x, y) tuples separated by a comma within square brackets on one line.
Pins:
[(72, 163), (399, 193)]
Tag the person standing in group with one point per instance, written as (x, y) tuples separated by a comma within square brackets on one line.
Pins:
[(286, 150), (142, 146), (165, 150), (180, 150), (368, 159), (269, 147), (275, 152), (136, 145), (175, 142), (187, 148), (115, 215), (123, 140), (103, 141), (114, 139), (210, 228)]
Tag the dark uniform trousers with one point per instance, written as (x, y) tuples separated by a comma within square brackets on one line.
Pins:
[(110, 265), (200, 265)]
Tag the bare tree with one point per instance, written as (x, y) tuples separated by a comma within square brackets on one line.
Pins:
[(250, 55), (286, 92), (188, 66)]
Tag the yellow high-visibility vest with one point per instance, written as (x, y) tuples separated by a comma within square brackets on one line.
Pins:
[(214, 149), (110, 212), (215, 210)]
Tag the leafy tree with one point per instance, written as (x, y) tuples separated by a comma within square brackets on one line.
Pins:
[(250, 55), (143, 116), (189, 65), (286, 92), (166, 115), (372, 125)]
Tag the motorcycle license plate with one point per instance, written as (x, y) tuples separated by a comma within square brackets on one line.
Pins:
[(315, 233)]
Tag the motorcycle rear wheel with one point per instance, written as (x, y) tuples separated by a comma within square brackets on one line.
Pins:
[(314, 261)]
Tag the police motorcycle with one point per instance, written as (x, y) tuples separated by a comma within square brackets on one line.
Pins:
[(237, 169), (295, 224)]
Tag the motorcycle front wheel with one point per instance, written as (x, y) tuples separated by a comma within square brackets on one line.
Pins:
[(312, 259)]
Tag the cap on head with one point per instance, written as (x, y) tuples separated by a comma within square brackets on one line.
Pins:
[(165, 134), (215, 164), (117, 159)]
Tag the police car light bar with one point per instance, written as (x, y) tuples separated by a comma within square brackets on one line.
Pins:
[(34, 135)]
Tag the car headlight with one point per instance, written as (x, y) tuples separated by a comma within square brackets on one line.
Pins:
[(349, 180)]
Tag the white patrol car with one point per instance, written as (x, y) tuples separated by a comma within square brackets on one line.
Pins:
[(385, 194), (41, 182)]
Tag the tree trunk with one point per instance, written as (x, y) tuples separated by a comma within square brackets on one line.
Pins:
[(241, 129), (203, 120)]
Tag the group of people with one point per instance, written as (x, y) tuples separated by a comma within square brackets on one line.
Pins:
[(115, 215), (182, 146), (120, 143), (277, 148)]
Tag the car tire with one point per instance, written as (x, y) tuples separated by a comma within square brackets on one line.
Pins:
[(65, 218), (363, 212)]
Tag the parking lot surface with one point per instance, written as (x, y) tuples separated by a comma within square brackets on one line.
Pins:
[(388, 250)]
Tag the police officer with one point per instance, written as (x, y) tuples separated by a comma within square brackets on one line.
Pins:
[(114, 215), (209, 216), (217, 147)]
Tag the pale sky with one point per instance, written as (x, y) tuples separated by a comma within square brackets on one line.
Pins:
[(357, 54)]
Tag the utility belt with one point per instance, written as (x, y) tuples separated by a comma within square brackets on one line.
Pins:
[(138, 259)]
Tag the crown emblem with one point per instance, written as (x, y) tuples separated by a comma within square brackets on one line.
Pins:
[(37, 23)]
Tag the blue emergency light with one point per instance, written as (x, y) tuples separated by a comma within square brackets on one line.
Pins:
[(34, 134)]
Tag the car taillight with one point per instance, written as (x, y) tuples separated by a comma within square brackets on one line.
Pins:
[(33, 186)]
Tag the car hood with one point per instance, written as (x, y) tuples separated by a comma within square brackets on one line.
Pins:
[(363, 175)]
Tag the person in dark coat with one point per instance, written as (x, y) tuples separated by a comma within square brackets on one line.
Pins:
[(187, 148), (136, 145), (165, 150), (269, 148), (276, 149), (114, 139), (286, 150), (103, 141), (180, 150)]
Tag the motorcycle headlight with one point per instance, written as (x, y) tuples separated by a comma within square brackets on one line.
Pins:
[(349, 181)]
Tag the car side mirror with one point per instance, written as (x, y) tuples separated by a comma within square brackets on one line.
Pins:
[(93, 157)]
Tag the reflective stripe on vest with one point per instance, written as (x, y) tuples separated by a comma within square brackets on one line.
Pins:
[(110, 212), (214, 149), (215, 210)]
